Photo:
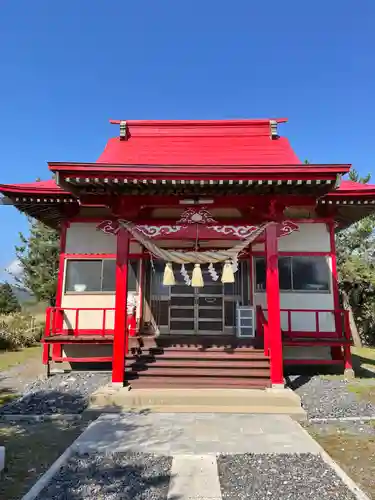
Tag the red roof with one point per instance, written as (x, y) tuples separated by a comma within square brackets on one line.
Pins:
[(218, 143), (43, 187), (347, 185)]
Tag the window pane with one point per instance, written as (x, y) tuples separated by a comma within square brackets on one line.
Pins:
[(285, 279), (133, 276), (310, 273), (260, 274), (109, 275), (156, 274), (83, 275), (285, 275)]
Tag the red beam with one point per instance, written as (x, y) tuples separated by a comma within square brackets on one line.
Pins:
[(93, 359), (231, 201), (312, 362)]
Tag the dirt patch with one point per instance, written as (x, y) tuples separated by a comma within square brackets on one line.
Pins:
[(354, 453), (30, 449)]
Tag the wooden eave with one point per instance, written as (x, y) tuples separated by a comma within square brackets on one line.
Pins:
[(203, 171), (50, 209), (198, 179)]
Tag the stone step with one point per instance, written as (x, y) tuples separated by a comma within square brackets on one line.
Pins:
[(273, 401)]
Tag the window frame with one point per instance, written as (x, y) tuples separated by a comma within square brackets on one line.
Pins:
[(292, 290), (97, 292)]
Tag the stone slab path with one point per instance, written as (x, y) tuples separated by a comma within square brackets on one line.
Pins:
[(141, 456), (196, 433)]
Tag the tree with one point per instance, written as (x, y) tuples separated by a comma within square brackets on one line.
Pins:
[(354, 176), (355, 249), (8, 301), (39, 258)]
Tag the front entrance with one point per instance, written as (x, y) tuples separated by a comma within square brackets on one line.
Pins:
[(196, 310), (183, 309)]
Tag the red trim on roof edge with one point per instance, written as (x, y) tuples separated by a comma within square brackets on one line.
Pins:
[(168, 123), (248, 169), (42, 187)]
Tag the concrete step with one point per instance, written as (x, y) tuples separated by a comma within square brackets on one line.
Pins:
[(272, 401)]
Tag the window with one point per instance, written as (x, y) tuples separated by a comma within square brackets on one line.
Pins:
[(310, 273), (97, 276), (305, 273)]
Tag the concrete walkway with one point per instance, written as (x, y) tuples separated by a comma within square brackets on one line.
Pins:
[(180, 456), (195, 433)]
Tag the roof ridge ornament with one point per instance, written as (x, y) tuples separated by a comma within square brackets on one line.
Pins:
[(123, 130), (273, 129)]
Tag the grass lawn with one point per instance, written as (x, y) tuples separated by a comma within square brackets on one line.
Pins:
[(364, 357), (12, 358), (354, 453), (30, 450)]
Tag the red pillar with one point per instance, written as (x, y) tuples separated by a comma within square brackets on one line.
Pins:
[(273, 305), (120, 334), (336, 351)]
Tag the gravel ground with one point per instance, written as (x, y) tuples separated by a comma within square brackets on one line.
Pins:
[(326, 397), (279, 477), (353, 428), (61, 393), (111, 477)]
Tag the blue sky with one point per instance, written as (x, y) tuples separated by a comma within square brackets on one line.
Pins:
[(67, 67)]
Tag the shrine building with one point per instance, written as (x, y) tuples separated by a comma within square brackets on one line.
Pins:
[(196, 254)]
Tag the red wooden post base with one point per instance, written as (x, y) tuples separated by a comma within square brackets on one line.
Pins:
[(121, 334), (273, 306), (348, 363)]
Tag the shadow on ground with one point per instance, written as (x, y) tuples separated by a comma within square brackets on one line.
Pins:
[(32, 447), (298, 376)]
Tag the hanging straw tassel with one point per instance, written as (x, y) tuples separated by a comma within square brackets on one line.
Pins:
[(197, 278), (227, 275), (168, 278)]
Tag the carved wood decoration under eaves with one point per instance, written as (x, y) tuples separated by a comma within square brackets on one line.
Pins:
[(182, 231)]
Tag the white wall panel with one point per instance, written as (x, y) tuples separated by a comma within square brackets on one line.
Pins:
[(88, 319), (82, 237), (311, 237)]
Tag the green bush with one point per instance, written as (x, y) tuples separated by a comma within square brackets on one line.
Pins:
[(19, 330)]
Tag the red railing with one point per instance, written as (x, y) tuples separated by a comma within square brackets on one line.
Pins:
[(59, 321), (339, 335), (340, 319), (262, 329)]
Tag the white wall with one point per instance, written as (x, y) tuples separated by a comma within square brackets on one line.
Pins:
[(310, 238), (88, 319), (83, 237)]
